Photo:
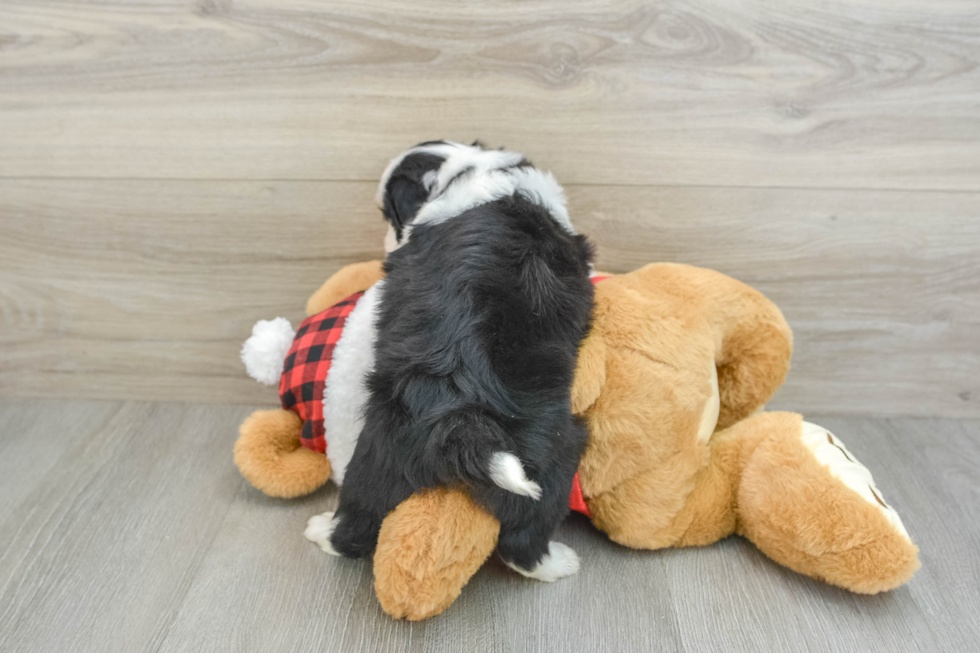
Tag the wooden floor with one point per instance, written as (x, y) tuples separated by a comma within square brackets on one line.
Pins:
[(124, 526)]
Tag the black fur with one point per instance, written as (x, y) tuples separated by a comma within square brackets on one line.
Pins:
[(479, 326)]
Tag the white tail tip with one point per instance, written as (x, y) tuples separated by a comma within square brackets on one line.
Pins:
[(507, 472), (265, 351)]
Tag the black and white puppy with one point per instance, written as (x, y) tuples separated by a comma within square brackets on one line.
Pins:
[(485, 303)]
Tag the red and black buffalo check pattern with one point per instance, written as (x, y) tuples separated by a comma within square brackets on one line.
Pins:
[(304, 373)]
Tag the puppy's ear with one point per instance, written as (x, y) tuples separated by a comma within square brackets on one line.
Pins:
[(402, 201)]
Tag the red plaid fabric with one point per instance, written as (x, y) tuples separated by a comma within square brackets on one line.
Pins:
[(304, 373), (576, 500)]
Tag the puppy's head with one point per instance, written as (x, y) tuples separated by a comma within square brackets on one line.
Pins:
[(406, 184), (426, 172)]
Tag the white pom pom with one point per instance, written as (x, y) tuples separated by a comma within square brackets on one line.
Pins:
[(265, 351)]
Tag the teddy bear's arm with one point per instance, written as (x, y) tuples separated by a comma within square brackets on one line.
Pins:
[(345, 282), (755, 348), (753, 342)]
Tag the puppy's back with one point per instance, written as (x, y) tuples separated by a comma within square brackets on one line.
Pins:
[(501, 278), (479, 331)]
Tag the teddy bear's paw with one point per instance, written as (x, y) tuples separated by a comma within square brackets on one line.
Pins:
[(319, 528), (560, 561), (831, 452)]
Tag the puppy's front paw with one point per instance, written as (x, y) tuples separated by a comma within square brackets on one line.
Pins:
[(560, 561), (319, 529)]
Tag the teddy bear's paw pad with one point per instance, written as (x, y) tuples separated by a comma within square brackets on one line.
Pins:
[(319, 529), (830, 451), (560, 561)]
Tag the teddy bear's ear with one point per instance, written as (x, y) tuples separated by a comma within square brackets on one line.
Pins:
[(590, 372)]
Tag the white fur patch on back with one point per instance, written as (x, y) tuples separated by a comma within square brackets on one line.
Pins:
[(265, 351), (507, 472), (832, 453), (559, 562), (480, 188), (345, 394), (475, 162), (544, 190)]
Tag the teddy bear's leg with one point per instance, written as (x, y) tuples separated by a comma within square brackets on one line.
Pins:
[(798, 494), (809, 504), (712, 510), (435, 540), (428, 549), (791, 488), (680, 505), (344, 283), (269, 454)]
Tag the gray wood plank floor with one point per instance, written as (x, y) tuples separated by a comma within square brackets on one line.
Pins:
[(124, 526)]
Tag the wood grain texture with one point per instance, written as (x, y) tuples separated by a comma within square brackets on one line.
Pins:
[(842, 93), (146, 289), (172, 171), (881, 288), (140, 536), (102, 550), (33, 441)]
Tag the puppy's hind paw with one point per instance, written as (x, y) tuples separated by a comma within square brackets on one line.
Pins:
[(319, 528), (559, 562)]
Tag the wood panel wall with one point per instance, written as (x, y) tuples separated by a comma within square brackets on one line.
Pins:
[(171, 172)]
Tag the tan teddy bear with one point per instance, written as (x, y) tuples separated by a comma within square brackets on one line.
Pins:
[(671, 379)]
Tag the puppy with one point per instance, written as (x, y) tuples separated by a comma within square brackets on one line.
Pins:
[(485, 302)]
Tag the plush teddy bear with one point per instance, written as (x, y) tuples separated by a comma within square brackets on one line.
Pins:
[(671, 381), (281, 451)]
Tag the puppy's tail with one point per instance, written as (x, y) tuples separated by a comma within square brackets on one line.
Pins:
[(473, 447), (506, 471), (265, 351)]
